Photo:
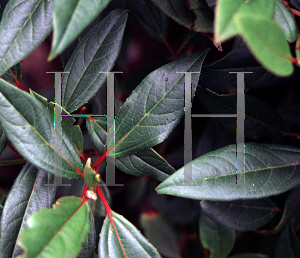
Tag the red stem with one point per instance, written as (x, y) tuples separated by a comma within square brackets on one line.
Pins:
[(99, 160), (17, 82), (84, 191), (169, 48)]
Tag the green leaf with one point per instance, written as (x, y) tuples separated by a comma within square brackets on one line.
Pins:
[(215, 237), (249, 255), (16, 70), (160, 233), (22, 114), (257, 123), (28, 194), (270, 169), (3, 140), (288, 244), (297, 47), (268, 44), (144, 162), (149, 17), (194, 15), (58, 231), (95, 53), (226, 11), (126, 241), (286, 21), (241, 215), (70, 18), (154, 108), (24, 26), (90, 176)]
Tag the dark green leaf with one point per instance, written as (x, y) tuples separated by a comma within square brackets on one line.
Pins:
[(16, 70), (241, 215), (144, 162), (249, 255), (270, 169), (149, 17), (161, 234), (24, 26), (70, 18), (23, 114), (28, 194), (58, 231), (95, 53), (154, 108), (215, 237), (291, 208), (241, 60), (288, 245), (123, 240), (286, 21), (194, 15), (257, 123)]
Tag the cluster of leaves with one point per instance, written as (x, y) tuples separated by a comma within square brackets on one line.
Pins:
[(35, 223)]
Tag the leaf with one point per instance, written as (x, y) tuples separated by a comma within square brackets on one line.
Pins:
[(149, 17), (96, 52), (160, 233), (194, 15), (286, 21), (16, 70), (90, 176), (241, 60), (267, 44), (272, 168), (288, 244), (28, 195), (257, 123), (3, 140), (23, 114), (144, 162), (88, 248), (291, 208), (24, 26), (59, 230), (227, 10), (154, 108), (70, 18), (215, 237), (241, 215), (127, 241)]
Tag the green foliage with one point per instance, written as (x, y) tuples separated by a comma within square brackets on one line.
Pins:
[(150, 128)]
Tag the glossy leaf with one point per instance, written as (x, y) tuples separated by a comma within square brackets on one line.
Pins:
[(270, 49), (128, 242), (194, 15), (241, 60), (257, 123), (37, 122), (24, 26), (96, 52), (144, 162), (286, 21), (288, 244), (70, 18), (291, 208), (154, 108), (28, 194), (270, 169), (58, 231), (160, 233), (90, 176), (149, 17), (227, 10), (241, 215), (3, 140), (215, 237)]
